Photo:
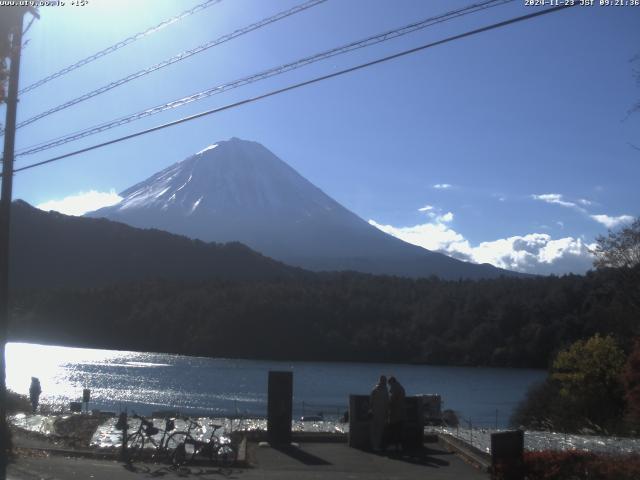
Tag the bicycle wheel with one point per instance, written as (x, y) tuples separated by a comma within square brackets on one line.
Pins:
[(178, 456), (183, 441), (226, 455), (173, 440), (135, 444)]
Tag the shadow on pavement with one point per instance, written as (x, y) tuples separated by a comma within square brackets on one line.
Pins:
[(421, 456), (183, 471), (300, 455)]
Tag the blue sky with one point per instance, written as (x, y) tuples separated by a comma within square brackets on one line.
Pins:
[(512, 147)]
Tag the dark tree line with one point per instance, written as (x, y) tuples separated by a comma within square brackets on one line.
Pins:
[(51, 250), (341, 316)]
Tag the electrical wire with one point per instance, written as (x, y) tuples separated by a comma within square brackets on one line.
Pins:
[(366, 42), (176, 58), (302, 84), (120, 44)]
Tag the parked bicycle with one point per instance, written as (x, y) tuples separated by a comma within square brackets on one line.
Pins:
[(147, 434), (216, 448)]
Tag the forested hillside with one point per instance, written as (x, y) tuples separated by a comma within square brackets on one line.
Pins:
[(345, 316), (51, 250)]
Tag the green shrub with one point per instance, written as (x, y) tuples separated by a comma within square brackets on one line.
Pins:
[(584, 391)]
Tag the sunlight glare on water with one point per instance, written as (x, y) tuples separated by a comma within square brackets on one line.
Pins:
[(63, 371), (26, 360), (145, 382)]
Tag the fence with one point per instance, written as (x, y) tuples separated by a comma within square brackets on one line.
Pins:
[(304, 409)]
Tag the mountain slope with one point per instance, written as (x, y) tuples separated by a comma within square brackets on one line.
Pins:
[(238, 190), (49, 249)]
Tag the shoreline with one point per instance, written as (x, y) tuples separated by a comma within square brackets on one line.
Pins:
[(98, 430), (407, 363)]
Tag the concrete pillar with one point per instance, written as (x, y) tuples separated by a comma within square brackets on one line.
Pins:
[(359, 430), (280, 407), (413, 430), (507, 449)]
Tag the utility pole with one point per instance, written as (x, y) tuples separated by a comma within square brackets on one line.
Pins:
[(14, 17)]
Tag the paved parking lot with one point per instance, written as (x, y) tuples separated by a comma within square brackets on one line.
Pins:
[(302, 461)]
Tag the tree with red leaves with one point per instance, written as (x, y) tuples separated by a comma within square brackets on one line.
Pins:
[(631, 381)]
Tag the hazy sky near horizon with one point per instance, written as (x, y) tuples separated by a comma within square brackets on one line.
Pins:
[(512, 147)]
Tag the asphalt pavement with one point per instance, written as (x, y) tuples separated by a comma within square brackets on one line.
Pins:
[(300, 462)]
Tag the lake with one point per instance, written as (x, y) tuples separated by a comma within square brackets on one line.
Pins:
[(144, 382)]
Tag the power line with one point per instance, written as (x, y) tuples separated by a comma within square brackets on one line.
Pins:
[(366, 42), (120, 44), (274, 71), (301, 84), (176, 58)]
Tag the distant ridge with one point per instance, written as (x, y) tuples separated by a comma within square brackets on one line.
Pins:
[(238, 190), (51, 250)]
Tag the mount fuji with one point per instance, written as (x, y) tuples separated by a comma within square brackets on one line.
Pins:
[(238, 190)]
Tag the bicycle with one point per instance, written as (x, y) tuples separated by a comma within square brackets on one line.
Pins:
[(147, 432), (215, 448)]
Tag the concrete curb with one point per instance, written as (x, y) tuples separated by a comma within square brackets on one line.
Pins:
[(241, 460), (471, 454)]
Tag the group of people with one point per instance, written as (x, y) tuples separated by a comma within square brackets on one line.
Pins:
[(388, 413)]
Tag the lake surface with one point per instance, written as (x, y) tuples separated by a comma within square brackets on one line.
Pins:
[(145, 382)]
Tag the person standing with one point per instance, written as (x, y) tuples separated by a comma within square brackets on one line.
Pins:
[(397, 412), (379, 404), (34, 392)]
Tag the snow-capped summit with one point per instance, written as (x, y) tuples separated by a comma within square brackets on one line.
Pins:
[(230, 177), (210, 147), (238, 190)]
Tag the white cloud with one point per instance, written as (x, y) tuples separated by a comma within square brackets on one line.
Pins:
[(432, 236), (612, 222), (554, 198), (436, 214), (446, 218), (606, 220), (533, 253), (442, 186), (82, 202), (499, 196)]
